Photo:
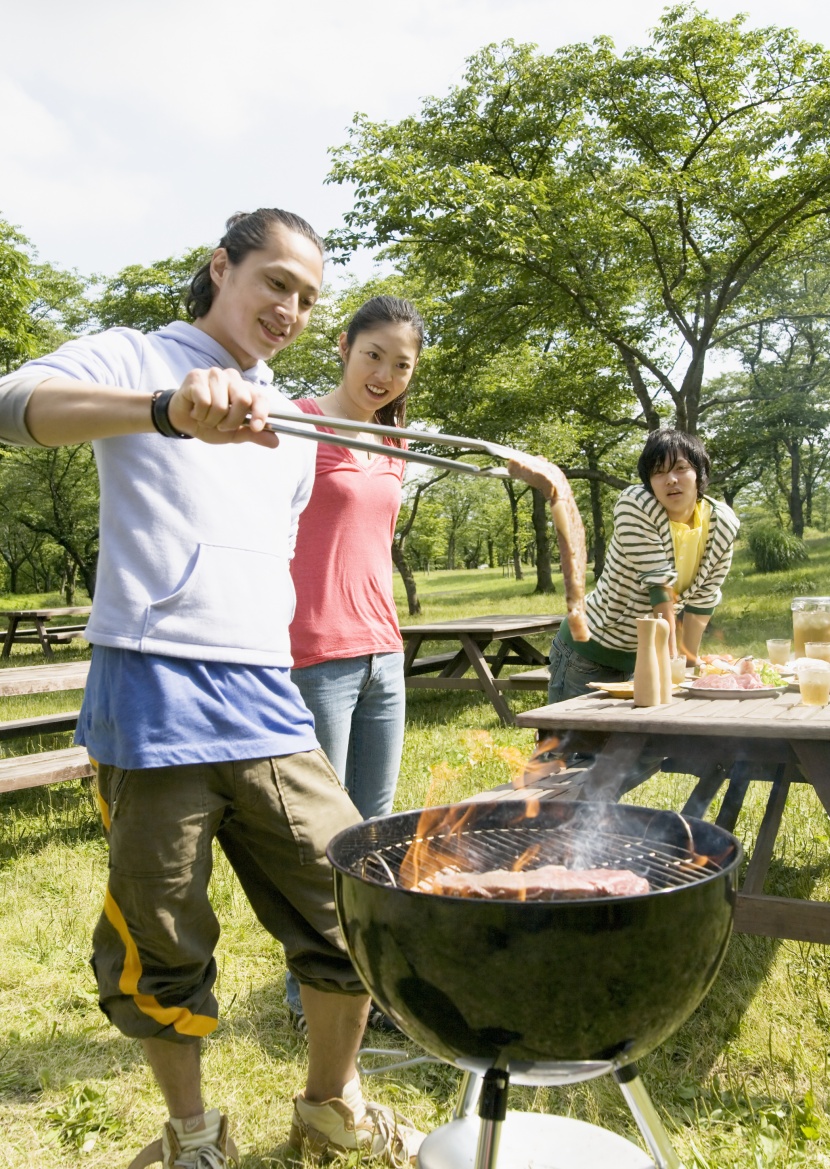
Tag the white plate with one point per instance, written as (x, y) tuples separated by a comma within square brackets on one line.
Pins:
[(714, 692)]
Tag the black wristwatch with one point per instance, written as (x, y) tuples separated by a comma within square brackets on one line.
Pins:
[(160, 414)]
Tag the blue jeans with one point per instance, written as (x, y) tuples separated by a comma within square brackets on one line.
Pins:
[(570, 672), (359, 706)]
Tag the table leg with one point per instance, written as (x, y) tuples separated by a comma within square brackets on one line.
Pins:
[(733, 801), (498, 660), (705, 790), (527, 652), (411, 651), (44, 640), (814, 758), (10, 632), (488, 684), (762, 853)]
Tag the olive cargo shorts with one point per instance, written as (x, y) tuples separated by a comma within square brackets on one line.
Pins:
[(153, 945)]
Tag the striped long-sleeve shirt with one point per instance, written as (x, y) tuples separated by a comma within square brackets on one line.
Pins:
[(640, 572)]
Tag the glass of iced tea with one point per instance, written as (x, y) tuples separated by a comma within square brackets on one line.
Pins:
[(814, 684), (811, 621), (678, 670), (818, 649), (778, 650)]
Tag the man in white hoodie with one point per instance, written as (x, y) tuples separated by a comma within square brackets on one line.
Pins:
[(189, 709)]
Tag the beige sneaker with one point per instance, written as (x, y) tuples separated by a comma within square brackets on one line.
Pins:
[(321, 1131), (218, 1153)]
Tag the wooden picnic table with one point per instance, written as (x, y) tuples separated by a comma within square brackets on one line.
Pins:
[(776, 740), (34, 627), (446, 671)]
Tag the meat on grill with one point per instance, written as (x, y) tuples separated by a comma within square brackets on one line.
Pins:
[(548, 883), (570, 533)]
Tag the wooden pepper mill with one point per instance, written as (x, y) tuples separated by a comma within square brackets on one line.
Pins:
[(652, 648)]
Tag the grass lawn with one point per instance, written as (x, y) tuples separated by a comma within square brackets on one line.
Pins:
[(742, 1084)]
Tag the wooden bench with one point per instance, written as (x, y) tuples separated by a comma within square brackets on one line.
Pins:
[(563, 785), (19, 772), (41, 724), (43, 679), (26, 771), (528, 680)]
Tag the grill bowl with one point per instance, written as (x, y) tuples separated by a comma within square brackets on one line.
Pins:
[(533, 986)]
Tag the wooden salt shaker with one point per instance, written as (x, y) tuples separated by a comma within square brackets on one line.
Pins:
[(663, 659)]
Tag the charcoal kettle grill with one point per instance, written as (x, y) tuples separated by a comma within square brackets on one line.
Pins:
[(546, 992)]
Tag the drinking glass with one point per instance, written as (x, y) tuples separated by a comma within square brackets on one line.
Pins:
[(778, 650), (814, 684), (678, 670), (818, 649)]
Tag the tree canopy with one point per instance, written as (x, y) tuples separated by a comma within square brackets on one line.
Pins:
[(636, 196)]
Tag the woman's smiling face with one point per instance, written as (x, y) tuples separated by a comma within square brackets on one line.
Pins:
[(675, 487), (378, 366)]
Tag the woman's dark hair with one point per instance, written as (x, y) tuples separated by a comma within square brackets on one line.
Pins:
[(664, 447), (244, 232), (387, 310)]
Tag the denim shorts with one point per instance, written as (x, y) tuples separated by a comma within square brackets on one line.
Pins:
[(273, 818), (570, 672)]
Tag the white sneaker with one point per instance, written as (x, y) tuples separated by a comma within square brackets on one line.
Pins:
[(320, 1131), (218, 1151)]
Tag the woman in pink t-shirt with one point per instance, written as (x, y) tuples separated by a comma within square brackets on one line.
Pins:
[(345, 641)]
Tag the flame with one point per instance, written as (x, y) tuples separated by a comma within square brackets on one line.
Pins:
[(538, 766), (443, 776), (482, 749), (435, 826)]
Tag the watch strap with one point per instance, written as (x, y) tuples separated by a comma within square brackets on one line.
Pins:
[(160, 414)]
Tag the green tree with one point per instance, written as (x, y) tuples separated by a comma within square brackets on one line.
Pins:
[(638, 196), (17, 292), (148, 297), (52, 493)]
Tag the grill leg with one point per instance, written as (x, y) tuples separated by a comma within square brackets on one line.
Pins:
[(469, 1092), (645, 1114), (492, 1109)]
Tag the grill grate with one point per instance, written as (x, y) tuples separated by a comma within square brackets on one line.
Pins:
[(477, 850)]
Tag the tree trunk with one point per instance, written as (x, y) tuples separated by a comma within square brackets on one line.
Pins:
[(541, 516), (598, 523), (514, 524), (402, 565), (796, 511)]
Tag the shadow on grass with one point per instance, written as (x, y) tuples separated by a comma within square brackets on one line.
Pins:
[(33, 819)]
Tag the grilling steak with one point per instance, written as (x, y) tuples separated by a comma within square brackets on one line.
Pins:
[(548, 883), (570, 534)]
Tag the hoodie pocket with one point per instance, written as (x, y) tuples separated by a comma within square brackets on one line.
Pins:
[(233, 598)]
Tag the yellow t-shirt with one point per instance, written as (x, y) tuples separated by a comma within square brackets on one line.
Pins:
[(689, 542)]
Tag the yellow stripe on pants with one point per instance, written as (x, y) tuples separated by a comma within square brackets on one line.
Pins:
[(180, 1018)]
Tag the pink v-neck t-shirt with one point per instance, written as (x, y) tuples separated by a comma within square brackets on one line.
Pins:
[(342, 566)]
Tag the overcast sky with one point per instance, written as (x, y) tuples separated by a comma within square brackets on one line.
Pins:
[(130, 131)]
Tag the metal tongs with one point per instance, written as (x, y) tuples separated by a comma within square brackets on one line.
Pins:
[(283, 422)]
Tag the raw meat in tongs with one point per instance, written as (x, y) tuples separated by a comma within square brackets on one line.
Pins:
[(570, 534)]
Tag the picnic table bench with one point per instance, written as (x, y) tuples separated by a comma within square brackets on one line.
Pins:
[(19, 772), (35, 630)]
